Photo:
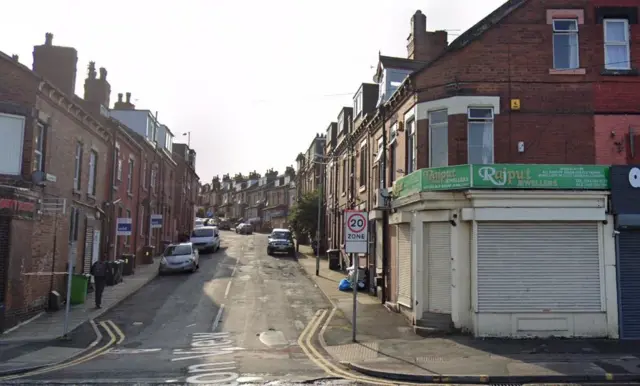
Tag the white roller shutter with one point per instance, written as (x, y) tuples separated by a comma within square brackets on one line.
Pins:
[(378, 248), (437, 236), (404, 265), (538, 267)]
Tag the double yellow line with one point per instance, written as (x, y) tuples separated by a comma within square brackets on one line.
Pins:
[(116, 336), (321, 361)]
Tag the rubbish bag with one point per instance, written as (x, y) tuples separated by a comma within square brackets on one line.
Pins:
[(345, 285)]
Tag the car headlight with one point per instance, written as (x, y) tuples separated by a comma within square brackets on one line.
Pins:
[(163, 261)]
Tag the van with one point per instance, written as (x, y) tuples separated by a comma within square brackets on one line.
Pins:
[(206, 239)]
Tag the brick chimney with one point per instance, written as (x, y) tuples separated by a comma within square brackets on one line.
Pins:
[(424, 45), (56, 64), (124, 105), (97, 90)]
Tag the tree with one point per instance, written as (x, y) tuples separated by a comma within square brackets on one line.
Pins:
[(303, 216)]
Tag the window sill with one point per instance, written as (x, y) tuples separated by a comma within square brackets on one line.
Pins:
[(631, 72), (130, 194), (343, 194), (362, 188), (573, 71), (77, 193), (91, 198)]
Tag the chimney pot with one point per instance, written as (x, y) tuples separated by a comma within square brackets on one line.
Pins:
[(119, 97), (15, 57), (103, 73), (48, 39), (128, 97)]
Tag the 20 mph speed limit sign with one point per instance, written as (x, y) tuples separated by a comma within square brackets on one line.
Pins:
[(355, 231)]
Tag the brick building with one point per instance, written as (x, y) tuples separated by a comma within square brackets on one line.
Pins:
[(54, 153), (187, 187)]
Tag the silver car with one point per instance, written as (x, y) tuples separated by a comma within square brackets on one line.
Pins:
[(182, 257)]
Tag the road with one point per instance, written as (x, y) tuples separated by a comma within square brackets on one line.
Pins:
[(256, 304)]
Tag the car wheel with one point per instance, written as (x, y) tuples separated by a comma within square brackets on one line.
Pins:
[(269, 252)]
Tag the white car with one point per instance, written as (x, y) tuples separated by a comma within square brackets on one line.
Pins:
[(199, 223), (206, 239), (179, 258)]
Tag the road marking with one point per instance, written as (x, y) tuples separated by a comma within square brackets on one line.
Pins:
[(226, 291), (133, 350), (98, 352), (216, 321), (117, 330)]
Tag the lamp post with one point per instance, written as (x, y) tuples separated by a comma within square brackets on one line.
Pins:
[(188, 134)]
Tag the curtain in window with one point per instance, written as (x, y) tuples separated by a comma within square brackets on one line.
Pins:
[(616, 49), (481, 142)]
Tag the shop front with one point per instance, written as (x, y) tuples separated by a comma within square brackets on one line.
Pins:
[(625, 205), (507, 250)]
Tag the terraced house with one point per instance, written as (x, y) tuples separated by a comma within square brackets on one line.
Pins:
[(521, 104)]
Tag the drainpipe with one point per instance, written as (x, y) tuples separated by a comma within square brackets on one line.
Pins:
[(140, 182), (111, 223), (385, 213)]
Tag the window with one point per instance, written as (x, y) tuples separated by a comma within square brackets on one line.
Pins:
[(78, 167), (379, 151), (438, 139), (38, 147), (153, 178), (344, 175), (480, 135), (565, 44), (119, 171), (141, 220), (363, 164), (411, 146), (74, 224), (616, 44), (144, 175), (341, 125), (116, 157), (130, 176), (357, 104), (93, 172)]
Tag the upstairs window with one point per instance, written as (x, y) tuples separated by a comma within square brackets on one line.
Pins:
[(344, 175), (565, 44), (130, 176), (480, 135), (93, 173), (38, 147), (357, 104), (78, 167), (364, 163), (438, 138), (616, 44), (411, 146)]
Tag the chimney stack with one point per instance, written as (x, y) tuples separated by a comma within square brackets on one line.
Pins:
[(15, 57), (97, 91), (126, 105), (56, 64), (424, 45)]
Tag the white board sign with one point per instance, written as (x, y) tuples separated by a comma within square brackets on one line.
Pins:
[(356, 235)]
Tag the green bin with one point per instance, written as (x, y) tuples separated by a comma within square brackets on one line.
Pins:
[(79, 288)]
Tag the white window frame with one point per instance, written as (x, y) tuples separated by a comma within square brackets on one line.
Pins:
[(411, 133), (77, 177), (144, 175), (357, 104), (617, 66), (439, 125), (471, 119), (380, 151), (39, 151), (93, 172), (130, 176), (566, 32), (364, 165)]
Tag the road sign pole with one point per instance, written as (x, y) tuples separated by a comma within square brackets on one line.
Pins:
[(115, 241), (355, 295), (356, 242)]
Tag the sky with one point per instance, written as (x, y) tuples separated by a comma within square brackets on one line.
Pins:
[(253, 81)]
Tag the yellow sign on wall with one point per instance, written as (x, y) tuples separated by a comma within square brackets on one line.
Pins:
[(515, 104)]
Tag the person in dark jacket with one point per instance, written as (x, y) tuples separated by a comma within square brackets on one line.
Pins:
[(99, 272)]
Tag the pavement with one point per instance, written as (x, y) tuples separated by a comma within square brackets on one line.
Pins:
[(38, 342), (238, 319), (387, 347)]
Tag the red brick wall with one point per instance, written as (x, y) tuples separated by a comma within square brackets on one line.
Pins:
[(512, 60), (613, 144)]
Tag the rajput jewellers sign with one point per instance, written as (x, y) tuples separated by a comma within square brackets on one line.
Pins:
[(504, 176)]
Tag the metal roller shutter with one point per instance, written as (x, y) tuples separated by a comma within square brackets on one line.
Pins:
[(378, 248), (629, 283), (438, 248), (538, 267), (404, 265)]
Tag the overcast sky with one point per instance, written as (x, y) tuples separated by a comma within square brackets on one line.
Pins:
[(253, 81)]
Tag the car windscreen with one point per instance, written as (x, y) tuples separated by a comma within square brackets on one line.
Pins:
[(202, 233), (280, 235), (177, 250)]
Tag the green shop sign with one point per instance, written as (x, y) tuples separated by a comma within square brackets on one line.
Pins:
[(505, 176)]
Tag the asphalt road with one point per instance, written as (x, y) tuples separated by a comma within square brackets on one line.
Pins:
[(256, 304)]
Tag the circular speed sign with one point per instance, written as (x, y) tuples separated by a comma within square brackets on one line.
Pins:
[(356, 222)]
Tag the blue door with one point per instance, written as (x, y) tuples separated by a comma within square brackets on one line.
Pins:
[(629, 283)]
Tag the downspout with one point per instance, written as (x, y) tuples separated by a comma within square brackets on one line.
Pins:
[(111, 219), (135, 237), (385, 213)]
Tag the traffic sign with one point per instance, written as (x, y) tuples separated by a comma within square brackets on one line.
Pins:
[(124, 226), (355, 231), (156, 221)]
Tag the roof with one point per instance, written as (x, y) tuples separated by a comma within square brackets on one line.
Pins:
[(280, 230), (394, 62), (477, 30)]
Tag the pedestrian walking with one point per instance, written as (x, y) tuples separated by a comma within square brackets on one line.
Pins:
[(99, 272)]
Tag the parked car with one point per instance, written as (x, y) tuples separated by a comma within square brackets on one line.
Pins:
[(281, 241), (181, 257), (198, 223), (206, 239), (238, 226), (224, 225), (245, 229)]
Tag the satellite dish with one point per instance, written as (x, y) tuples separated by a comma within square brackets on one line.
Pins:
[(38, 177)]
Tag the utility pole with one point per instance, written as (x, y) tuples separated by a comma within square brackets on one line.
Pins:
[(385, 214)]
